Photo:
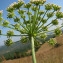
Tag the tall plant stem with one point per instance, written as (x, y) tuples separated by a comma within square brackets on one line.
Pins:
[(33, 50)]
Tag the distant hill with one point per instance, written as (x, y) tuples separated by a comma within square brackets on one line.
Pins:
[(17, 46)]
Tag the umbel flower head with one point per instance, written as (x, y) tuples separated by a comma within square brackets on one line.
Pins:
[(52, 41), (10, 33), (1, 11), (37, 2), (8, 42)]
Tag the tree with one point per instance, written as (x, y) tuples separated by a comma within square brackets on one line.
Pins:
[(32, 22)]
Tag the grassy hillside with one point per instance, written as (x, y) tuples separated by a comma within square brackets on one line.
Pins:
[(45, 54)]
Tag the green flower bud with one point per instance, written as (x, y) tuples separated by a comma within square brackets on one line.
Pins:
[(10, 9), (22, 31), (16, 19), (19, 4), (37, 44), (55, 22), (56, 7), (10, 15), (1, 19), (1, 12), (52, 41), (28, 5), (5, 23), (48, 6), (59, 14), (44, 28), (57, 32), (24, 39), (43, 20), (0, 32), (38, 2), (17, 26), (34, 8), (8, 42), (10, 33), (41, 12), (43, 35), (21, 11), (49, 15), (29, 13)]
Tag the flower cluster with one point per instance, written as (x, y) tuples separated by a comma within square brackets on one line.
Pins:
[(34, 8), (59, 14), (38, 2), (10, 33), (56, 7), (44, 28), (55, 22), (8, 42), (11, 7), (15, 5), (27, 5), (16, 19), (57, 31), (10, 15), (17, 26), (44, 20), (24, 39), (1, 11), (48, 6), (22, 31), (52, 41), (43, 35), (5, 23), (50, 14), (41, 12)]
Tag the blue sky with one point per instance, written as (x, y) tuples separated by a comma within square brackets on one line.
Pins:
[(5, 3)]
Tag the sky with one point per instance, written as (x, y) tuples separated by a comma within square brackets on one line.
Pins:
[(5, 3)]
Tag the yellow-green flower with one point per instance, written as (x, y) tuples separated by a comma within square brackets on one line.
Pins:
[(10, 33), (8, 42)]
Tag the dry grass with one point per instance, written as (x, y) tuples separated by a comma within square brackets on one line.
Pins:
[(46, 54)]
